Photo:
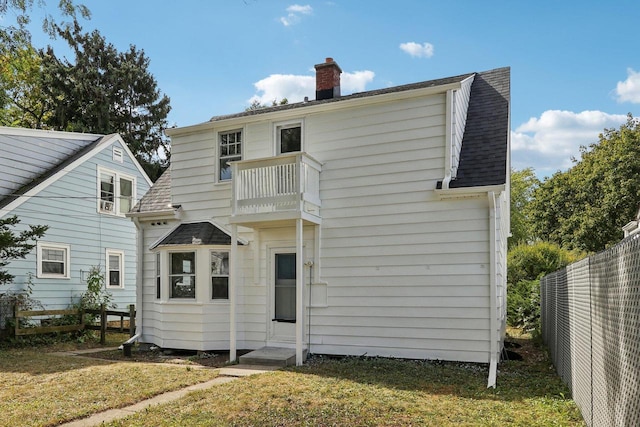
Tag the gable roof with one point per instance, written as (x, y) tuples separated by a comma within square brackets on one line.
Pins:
[(196, 233), (158, 198), (485, 144), (31, 158)]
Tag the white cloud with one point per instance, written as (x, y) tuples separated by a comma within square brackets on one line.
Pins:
[(549, 142), (304, 10), (355, 82), (629, 90), (293, 14), (424, 50), (295, 88), (278, 86)]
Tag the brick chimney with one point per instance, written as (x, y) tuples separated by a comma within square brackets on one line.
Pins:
[(327, 80)]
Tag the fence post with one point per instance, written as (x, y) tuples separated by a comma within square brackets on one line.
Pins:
[(16, 325), (103, 324), (132, 320), (81, 311)]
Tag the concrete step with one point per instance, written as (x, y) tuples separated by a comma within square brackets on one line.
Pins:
[(270, 356)]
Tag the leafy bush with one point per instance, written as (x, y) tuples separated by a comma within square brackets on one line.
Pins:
[(526, 264), (95, 295)]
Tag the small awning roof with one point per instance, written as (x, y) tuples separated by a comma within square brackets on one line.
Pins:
[(197, 233)]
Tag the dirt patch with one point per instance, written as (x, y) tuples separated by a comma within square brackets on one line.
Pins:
[(210, 359)]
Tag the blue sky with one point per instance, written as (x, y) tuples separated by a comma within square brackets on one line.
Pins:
[(575, 67)]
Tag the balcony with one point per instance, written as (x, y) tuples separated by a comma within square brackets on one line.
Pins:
[(276, 189)]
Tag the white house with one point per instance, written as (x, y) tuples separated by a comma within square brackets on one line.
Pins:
[(374, 223), (81, 186)]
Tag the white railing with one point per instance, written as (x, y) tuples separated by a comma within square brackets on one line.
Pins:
[(290, 182)]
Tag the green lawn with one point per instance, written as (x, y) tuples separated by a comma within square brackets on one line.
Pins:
[(379, 392), (38, 388)]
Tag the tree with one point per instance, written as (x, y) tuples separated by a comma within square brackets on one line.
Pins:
[(18, 34), (585, 207), (105, 91), (256, 105), (526, 264), (15, 245), (25, 104), (523, 184)]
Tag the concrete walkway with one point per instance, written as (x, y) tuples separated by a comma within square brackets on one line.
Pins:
[(227, 374)]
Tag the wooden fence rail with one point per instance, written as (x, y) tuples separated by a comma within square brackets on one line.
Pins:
[(102, 313)]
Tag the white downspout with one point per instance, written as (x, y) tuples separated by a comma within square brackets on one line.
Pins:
[(448, 144), (299, 292), (233, 280), (139, 283), (493, 309)]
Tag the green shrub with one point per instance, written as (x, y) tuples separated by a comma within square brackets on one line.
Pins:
[(526, 264)]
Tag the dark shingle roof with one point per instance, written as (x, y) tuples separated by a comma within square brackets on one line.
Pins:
[(393, 89), (158, 198), (483, 157), (197, 233)]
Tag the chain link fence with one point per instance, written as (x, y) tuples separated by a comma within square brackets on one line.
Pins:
[(590, 314)]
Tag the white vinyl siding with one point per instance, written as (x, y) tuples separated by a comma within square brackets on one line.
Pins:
[(402, 273)]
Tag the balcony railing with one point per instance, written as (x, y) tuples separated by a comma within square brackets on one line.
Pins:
[(286, 186)]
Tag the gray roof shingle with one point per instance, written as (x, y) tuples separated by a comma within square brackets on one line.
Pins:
[(197, 233), (158, 198), (485, 144)]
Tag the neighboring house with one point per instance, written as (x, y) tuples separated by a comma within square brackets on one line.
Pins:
[(632, 227), (369, 224), (81, 186)]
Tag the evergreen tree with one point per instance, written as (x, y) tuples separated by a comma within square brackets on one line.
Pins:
[(105, 91)]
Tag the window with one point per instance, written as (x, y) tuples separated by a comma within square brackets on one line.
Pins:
[(117, 192), (158, 293), (115, 269), (182, 274), (289, 138), (126, 195), (107, 192), (219, 275), (53, 260), (230, 151)]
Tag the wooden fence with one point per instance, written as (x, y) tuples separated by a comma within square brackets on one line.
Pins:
[(79, 314)]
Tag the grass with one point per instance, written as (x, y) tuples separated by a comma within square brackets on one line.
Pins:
[(39, 388), (379, 392)]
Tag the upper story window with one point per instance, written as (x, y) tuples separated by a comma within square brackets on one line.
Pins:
[(230, 150), (289, 138), (116, 192), (53, 260)]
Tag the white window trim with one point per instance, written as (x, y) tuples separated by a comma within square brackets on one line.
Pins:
[(284, 125), (115, 211), (217, 148), (67, 262), (119, 253), (194, 274)]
